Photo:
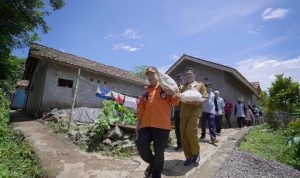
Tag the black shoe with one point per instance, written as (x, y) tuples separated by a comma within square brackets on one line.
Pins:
[(188, 162), (148, 172), (214, 141), (202, 137), (178, 148), (196, 158)]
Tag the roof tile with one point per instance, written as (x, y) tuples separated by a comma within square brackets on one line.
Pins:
[(63, 57)]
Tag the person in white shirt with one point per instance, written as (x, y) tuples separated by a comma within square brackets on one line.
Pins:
[(219, 107), (240, 113), (209, 115)]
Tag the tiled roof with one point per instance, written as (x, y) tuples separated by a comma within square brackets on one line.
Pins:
[(255, 84), (40, 51), (234, 71), (23, 83)]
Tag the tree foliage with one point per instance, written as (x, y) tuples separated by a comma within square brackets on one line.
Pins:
[(140, 71), (20, 20), (284, 93), (282, 101), (12, 69)]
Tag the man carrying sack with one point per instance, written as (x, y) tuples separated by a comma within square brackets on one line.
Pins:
[(154, 123), (190, 113)]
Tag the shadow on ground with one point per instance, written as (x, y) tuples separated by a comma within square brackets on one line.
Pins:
[(176, 168), (19, 116)]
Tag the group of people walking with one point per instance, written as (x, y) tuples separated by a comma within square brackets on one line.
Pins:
[(154, 119)]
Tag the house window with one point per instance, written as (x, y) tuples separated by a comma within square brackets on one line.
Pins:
[(65, 83)]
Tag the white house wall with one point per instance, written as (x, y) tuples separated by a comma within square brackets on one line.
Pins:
[(61, 97), (35, 90)]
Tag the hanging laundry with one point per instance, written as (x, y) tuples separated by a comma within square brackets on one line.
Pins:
[(118, 97), (103, 93), (114, 95), (130, 102), (121, 99)]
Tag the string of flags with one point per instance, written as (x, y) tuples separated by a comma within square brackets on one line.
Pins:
[(124, 100)]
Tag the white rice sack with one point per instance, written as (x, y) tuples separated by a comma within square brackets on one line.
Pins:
[(191, 95), (166, 82)]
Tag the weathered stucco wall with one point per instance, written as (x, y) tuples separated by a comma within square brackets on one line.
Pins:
[(55, 96), (35, 90), (230, 87), (215, 77)]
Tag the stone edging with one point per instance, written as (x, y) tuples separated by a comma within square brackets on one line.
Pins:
[(213, 162)]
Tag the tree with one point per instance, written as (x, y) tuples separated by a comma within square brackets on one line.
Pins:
[(284, 97), (20, 20), (140, 71), (12, 69)]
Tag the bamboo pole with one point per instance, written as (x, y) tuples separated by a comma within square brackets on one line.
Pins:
[(74, 97)]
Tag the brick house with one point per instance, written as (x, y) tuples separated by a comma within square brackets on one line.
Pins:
[(52, 75)]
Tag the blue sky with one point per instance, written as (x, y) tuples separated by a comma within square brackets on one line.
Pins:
[(259, 38)]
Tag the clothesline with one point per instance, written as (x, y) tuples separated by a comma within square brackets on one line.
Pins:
[(121, 98), (127, 94), (124, 100)]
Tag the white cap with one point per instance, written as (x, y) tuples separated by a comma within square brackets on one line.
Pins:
[(217, 92)]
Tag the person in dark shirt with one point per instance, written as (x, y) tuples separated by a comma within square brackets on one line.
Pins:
[(228, 110)]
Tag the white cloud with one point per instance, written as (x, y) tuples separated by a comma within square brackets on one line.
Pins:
[(265, 44), (251, 29), (108, 36), (192, 19), (164, 69), (62, 50), (125, 47), (174, 57), (264, 69), (132, 34), (271, 13)]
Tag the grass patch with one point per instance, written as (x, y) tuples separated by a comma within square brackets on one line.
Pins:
[(118, 152), (16, 156), (58, 128), (271, 145)]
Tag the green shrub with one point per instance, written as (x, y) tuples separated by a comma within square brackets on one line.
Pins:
[(113, 113), (293, 137), (272, 145), (16, 156), (293, 129)]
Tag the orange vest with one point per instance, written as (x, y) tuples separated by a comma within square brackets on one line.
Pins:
[(154, 108)]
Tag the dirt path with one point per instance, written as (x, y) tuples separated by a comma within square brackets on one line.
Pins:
[(63, 160)]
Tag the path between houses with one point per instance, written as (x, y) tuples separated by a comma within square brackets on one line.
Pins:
[(62, 159)]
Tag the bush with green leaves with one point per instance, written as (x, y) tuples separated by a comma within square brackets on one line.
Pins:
[(114, 113), (111, 113), (293, 136), (282, 102), (271, 144), (16, 156)]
